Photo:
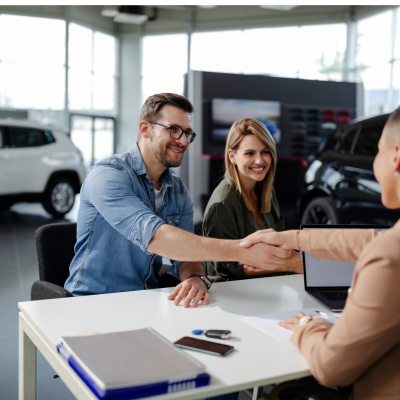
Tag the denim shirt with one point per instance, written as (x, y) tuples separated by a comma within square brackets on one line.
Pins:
[(116, 221)]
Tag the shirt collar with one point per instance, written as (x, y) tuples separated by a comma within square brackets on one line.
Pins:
[(139, 168)]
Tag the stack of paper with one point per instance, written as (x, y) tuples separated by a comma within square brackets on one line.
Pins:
[(132, 364), (268, 322)]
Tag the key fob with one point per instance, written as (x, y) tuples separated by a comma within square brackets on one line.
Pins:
[(218, 334)]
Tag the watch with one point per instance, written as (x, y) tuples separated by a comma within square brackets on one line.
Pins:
[(306, 319), (204, 278)]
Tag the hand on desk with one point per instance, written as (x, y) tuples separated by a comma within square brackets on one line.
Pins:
[(292, 323), (194, 289)]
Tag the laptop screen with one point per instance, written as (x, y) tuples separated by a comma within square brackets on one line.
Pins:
[(327, 273)]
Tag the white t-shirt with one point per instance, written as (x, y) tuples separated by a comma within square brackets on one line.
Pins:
[(158, 196)]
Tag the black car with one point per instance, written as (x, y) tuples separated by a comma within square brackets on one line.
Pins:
[(339, 185)]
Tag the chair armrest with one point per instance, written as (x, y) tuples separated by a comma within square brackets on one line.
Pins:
[(42, 290)]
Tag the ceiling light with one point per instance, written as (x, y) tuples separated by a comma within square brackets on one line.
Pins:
[(136, 19), (109, 11), (280, 8)]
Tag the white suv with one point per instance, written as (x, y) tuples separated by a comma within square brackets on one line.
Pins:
[(38, 163)]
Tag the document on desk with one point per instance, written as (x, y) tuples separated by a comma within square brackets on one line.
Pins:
[(268, 322)]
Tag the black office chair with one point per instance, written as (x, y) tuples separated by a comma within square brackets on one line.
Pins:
[(55, 250)]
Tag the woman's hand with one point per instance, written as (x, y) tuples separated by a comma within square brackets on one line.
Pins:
[(292, 323), (268, 236)]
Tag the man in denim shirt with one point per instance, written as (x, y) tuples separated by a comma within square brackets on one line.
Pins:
[(134, 211)]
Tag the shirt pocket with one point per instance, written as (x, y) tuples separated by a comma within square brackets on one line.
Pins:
[(172, 219)]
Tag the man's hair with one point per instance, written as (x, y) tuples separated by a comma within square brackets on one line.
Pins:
[(394, 123), (154, 104)]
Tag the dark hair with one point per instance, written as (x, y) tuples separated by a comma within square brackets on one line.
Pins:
[(153, 105), (394, 117)]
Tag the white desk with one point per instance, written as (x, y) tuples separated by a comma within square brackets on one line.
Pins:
[(259, 359)]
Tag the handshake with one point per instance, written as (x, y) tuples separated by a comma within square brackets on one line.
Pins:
[(268, 250)]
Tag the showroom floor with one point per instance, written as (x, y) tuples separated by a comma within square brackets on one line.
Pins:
[(18, 270)]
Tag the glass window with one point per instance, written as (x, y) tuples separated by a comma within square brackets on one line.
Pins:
[(347, 139), (27, 40), (397, 39), (367, 141), (164, 64), (267, 57), (218, 52), (321, 51), (80, 45), (25, 137), (104, 54), (80, 89), (32, 86), (374, 39), (32, 62), (396, 85), (82, 137), (49, 137), (376, 89), (103, 92)]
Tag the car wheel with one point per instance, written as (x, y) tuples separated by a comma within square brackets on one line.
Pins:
[(60, 197), (319, 211)]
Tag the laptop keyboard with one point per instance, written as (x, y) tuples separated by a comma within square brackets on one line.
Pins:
[(335, 295)]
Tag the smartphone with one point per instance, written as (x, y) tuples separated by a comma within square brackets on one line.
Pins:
[(204, 346)]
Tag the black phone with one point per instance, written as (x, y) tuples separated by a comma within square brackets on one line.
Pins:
[(204, 346)]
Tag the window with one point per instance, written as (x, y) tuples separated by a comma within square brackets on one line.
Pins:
[(32, 62), (164, 64), (367, 141), (347, 140), (26, 137), (92, 70), (310, 52)]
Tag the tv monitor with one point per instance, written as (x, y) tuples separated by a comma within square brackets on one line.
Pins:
[(226, 111)]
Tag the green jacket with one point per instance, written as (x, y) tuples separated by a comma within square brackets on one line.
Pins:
[(227, 217)]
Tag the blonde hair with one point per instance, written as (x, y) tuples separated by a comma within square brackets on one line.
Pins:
[(239, 129)]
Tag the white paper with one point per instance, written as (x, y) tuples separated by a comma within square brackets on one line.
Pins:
[(268, 322)]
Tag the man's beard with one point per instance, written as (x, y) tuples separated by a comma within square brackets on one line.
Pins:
[(161, 154)]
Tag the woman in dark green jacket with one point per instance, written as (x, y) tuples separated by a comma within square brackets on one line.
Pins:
[(245, 200)]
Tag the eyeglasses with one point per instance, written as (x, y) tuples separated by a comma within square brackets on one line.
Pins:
[(176, 132)]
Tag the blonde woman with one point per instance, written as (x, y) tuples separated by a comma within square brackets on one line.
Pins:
[(245, 201)]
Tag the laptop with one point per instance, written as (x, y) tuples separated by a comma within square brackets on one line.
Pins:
[(328, 281)]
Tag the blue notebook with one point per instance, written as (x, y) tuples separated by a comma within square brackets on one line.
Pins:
[(132, 364)]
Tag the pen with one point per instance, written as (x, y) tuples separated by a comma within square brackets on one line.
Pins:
[(324, 314)]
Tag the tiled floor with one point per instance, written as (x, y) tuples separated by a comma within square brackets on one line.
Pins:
[(18, 270)]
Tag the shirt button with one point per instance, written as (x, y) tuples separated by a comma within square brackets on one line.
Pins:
[(137, 239), (151, 189), (176, 221)]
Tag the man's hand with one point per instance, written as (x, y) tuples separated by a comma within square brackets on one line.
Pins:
[(264, 257), (194, 289), (292, 264), (268, 236)]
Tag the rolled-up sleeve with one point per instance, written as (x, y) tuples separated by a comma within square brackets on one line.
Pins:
[(186, 223), (110, 190)]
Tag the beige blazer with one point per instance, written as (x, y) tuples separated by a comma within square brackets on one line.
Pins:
[(363, 347)]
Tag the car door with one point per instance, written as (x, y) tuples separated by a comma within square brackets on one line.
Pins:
[(365, 204), (4, 163), (25, 159)]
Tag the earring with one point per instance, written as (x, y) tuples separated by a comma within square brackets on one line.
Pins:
[(396, 173)]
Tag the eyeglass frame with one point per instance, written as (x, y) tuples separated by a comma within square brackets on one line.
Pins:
[(192, 134)]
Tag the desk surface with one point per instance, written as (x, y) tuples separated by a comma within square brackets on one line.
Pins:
[(259, 358)]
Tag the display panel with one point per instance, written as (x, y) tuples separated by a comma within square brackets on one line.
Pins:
[(226, 111)]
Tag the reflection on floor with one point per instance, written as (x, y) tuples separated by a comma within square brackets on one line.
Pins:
[(18, 270)]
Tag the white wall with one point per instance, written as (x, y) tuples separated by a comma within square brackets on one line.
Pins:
[(129, 91)]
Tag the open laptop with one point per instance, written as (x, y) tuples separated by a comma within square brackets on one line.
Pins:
[(328, 281)]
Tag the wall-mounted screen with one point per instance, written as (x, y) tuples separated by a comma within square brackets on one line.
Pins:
[(226, 111)]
